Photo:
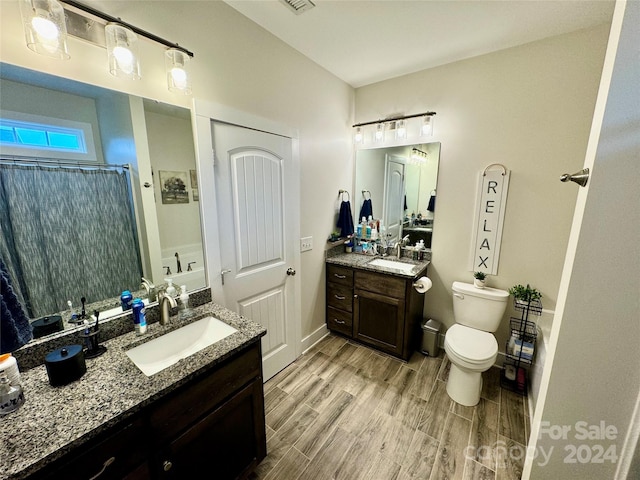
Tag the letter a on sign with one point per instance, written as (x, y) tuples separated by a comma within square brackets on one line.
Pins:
[(493, 184)]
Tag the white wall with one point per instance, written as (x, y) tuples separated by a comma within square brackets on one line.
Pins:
[(529, 108)]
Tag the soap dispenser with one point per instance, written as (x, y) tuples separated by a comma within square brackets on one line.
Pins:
[(171, 290)]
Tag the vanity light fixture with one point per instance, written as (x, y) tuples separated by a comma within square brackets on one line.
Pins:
[(426, 129), (403, 126), (45, 29), (379, 134), (122, 51), (358, 137), (177, 66), (48, 22), (401, 129), (418, 156)]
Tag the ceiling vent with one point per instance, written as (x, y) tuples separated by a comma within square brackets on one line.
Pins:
[(299, 6)]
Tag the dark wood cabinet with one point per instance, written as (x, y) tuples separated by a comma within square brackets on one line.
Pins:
[(340, 299), (214, 423), (384, 311)]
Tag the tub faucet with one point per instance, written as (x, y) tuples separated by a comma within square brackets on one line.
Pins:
[(150, 288), (178, 263), (166, 302)]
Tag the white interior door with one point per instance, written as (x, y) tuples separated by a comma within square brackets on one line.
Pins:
[(393, 208), (252, 171)]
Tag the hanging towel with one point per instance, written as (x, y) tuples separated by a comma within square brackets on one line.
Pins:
[(432, 203), (345, 219), (15, 329), (366, 209)]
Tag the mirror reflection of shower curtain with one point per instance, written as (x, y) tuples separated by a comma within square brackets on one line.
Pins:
[(67, 233)]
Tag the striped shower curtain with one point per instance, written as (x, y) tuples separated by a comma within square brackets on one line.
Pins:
[(67, 233)]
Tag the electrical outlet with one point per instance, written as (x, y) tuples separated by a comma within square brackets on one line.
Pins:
[(306, 243)]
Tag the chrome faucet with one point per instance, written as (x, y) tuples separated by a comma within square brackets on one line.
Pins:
[(150, 288), (178, 265), (166, 302)]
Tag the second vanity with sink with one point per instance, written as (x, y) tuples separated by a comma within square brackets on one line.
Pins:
[(372, 300), (199, 412)]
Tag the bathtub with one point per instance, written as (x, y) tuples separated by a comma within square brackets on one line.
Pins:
[(189, 254)]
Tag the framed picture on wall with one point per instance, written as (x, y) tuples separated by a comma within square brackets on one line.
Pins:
[(194, 185), (173, 187)]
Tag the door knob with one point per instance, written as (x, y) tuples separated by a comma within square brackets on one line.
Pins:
[(223, 272), (581, 177), (291, 271)]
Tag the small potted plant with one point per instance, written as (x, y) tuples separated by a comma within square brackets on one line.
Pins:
[(479, 279), (524, 295)]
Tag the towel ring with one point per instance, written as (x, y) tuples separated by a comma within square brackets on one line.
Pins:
[(504, 169), (342, 192), (364, 194)]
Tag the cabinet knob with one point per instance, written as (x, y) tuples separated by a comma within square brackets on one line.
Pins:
[(166, 465), (291, 271), (355, 296)]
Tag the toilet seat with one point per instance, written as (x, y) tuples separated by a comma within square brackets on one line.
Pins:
[(471, 348)]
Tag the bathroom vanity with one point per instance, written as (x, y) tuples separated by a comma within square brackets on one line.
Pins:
[(375, 305), (203, 414)]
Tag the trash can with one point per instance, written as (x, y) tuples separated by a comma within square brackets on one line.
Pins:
[(430, 331)]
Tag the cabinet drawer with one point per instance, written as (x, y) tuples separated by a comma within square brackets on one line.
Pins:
[(127, 448), (339, 321), (192, 402), (340, 275), (340, 297), (382, 284)]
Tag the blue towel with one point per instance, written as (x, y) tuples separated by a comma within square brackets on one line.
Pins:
[(15, 329), (432, 203), (345, 219), (367, 209)]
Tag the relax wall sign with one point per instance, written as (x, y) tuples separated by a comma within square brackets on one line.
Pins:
[(491, 203)]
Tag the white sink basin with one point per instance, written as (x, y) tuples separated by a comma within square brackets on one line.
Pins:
[(170, 348), (403, 267)]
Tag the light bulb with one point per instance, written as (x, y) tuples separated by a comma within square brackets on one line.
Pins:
[(125, 59), (45, 28), (179, 77), (401, 129)]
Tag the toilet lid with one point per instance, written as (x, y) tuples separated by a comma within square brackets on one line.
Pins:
[(471, 344)]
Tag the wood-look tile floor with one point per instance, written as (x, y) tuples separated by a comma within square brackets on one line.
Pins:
[(345, 411)]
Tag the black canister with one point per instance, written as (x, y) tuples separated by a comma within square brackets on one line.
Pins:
[(65, 365), (46, 325)]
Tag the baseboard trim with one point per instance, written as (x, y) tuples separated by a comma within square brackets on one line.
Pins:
[(310, 340)]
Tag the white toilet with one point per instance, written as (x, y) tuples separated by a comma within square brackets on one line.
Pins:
[(470, 344)]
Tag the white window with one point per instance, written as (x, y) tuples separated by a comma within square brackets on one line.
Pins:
[(45, 137)]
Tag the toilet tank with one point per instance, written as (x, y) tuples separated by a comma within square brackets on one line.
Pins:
[(479, 308)]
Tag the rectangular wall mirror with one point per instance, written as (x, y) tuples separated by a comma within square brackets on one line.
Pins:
[(401, 182), (77, 219)]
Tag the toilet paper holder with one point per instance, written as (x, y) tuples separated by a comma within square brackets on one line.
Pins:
[(422, 285)]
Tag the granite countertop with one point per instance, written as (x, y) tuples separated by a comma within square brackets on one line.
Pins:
[(54, 420), (362, 262)]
